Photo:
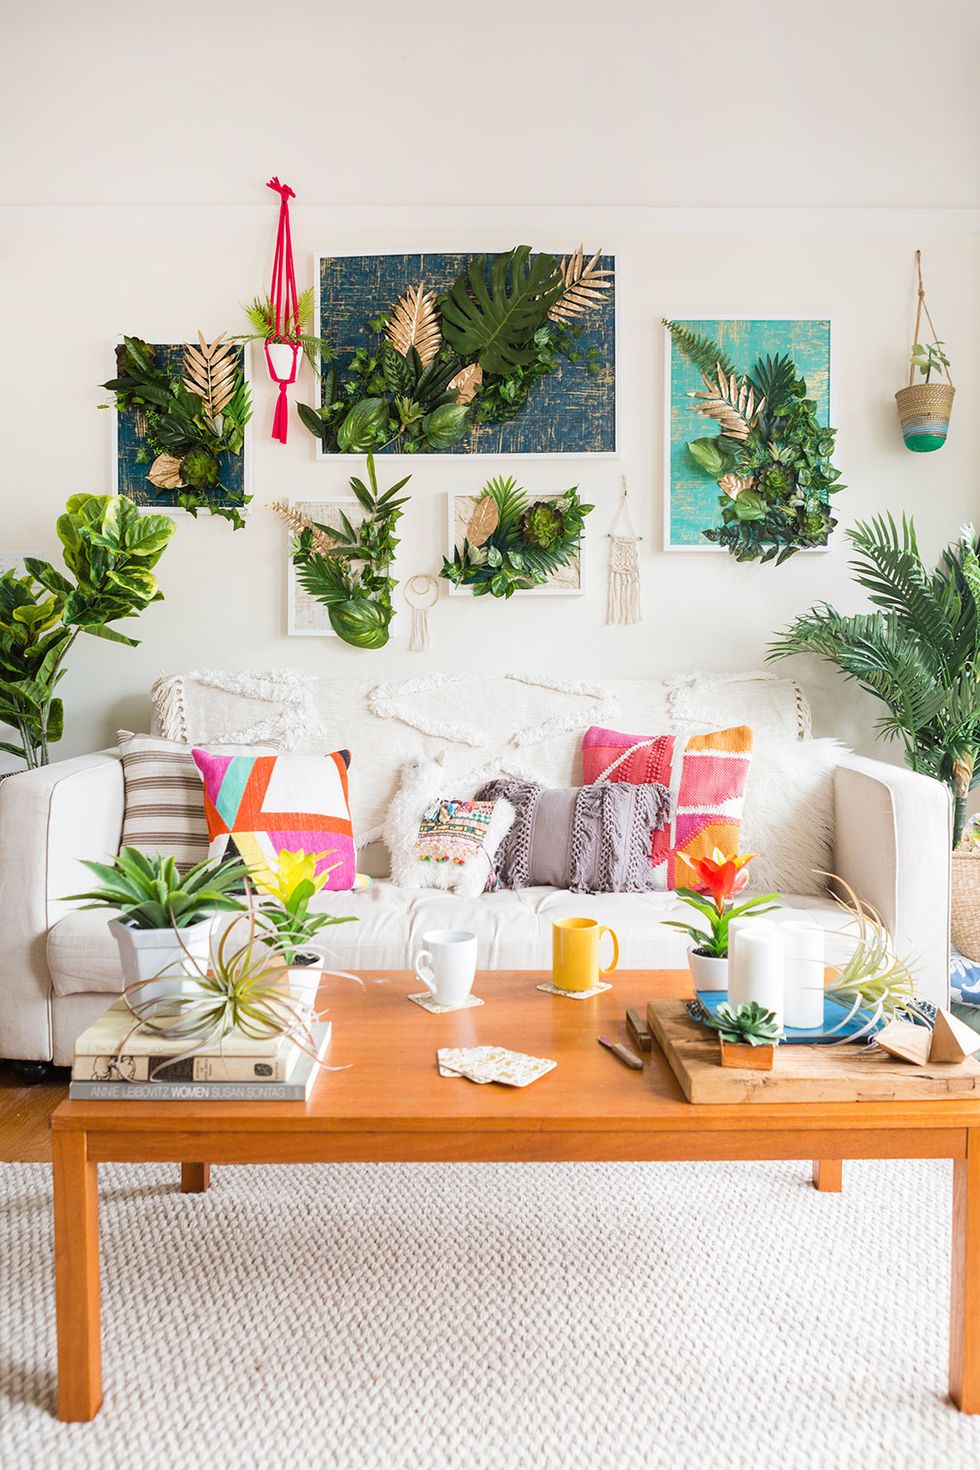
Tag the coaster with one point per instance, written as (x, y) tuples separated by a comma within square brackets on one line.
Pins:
[(427, 1003), (492, 1064), (575, 994)]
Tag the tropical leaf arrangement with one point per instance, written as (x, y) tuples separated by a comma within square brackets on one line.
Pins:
[(770, 456), (262, 317), (187, 416), (918, 652), (439, 365), (346, 568), (110, 550), (512, 544)]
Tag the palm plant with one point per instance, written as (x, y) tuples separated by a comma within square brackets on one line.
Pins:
[(919, 652)]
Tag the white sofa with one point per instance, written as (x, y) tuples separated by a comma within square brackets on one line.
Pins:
[(879, 826)]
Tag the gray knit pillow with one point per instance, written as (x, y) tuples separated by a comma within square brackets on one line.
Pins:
[(588, 839)]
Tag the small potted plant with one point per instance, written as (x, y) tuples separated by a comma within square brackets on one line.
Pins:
[(164, 917), (924, 407), (747, 1037), (719, 878), (290, 921)]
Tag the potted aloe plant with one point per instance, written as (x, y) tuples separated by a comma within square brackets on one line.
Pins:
[(747, 1037), (720, 877), (291, 925), (164, 917)]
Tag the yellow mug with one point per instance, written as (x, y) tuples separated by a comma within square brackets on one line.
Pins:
[(575, 953)]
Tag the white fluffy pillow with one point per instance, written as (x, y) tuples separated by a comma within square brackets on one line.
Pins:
[(788, 818), (420, 859)]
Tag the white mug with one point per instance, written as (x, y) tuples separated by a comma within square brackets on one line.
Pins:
[(446, 964)]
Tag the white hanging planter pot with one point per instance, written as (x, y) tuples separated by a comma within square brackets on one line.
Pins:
[(707, 971), (156, 955), (282, 359)]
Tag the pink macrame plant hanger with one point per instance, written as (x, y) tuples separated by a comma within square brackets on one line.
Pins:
[(282, 353)]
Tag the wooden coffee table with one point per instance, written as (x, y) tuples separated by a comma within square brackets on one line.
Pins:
[(391, 1105)]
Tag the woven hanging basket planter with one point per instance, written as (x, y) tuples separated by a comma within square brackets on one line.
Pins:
[(965, 912), (924, 410)]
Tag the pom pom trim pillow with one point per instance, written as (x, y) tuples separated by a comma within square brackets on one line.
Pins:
[(442, 842), (260, 805), (706, 776)]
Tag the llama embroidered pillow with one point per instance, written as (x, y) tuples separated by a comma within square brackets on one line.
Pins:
[(705, 775), (444, 842), (256, 806)]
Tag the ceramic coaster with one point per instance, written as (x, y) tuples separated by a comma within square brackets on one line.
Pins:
[(575, 994), (492, 1064), (427, 1003)]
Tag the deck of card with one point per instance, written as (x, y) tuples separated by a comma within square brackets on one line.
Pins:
[(492, 1064)]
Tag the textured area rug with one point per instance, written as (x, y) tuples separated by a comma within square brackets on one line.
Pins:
[(379, 1317)]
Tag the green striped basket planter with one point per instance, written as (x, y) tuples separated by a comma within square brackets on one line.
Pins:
[(924, 410)]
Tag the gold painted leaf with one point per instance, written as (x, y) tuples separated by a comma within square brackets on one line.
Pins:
[(211, 371), (466, 382), (730, 402), (297, 521), (415, 322), (585, 283), (483, 522), (164, 473)]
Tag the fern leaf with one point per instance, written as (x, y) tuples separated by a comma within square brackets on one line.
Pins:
[(584, 285), (701, 351), (509, 497), (211, 371), (773, 378), (323, 577), (415, 322), (730, 401)]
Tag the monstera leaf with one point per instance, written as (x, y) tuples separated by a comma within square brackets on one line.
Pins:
[(493, 311)]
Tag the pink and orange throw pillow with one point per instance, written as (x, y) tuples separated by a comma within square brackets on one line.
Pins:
[(259, 805), (705, 775)]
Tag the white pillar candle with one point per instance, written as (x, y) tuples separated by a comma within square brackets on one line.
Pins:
[(761, 961), (735, 928), (804, 974)]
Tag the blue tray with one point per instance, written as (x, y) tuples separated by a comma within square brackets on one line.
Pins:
[(833, 1013)]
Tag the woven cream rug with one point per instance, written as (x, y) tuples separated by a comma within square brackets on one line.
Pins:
[(568, 1316)]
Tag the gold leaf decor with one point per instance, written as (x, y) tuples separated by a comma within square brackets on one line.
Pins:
[(210, 371), (483, 521), (296, 521), (732, 485), (585, 283), (164, 473), (730, 401), (415, 322), (466, 382)]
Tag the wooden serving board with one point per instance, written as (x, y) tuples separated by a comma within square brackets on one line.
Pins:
[(800, 1073)]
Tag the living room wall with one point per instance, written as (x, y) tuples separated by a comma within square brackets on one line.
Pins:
[(101, 243)]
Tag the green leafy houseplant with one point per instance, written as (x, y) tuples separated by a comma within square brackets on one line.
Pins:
[(296, 882), (721, 877), (749, 1025), (918, 652), (347, 569), (928, 358), (437, 366), (771, 457), (511, 544), (187, 417), (110, 551), (150, 893), (262, 316)]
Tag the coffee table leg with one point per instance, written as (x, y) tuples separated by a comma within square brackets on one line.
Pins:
[(76, 1257), (828, 1175), (194, 1178), (964, 1317)]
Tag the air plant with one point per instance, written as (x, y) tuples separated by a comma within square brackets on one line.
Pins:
[(874, 984)]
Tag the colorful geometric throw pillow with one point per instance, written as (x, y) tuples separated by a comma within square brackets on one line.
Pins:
[(259, 805), (705, 775)]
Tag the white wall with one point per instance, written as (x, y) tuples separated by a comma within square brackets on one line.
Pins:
[(115, 234)]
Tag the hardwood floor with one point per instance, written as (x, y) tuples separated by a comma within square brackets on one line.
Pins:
[(25, 1137)]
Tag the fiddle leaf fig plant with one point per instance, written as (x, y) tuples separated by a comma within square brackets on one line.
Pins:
[(110, 550)]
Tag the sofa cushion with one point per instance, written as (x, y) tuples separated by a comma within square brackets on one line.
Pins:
[(513, 929)]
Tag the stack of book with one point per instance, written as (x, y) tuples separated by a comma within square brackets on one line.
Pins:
[(115, 1062)]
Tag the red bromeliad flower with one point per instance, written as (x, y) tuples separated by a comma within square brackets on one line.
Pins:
[(721, 876)]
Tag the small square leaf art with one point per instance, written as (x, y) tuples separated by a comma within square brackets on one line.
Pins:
[(306, 616), (692, 495), (566, 579)]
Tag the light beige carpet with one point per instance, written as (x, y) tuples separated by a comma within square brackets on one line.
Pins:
[(568, 1316)]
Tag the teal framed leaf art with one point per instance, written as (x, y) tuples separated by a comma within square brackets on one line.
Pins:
[(709, 421)]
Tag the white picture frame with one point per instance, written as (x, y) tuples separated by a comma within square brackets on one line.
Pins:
[(459, 508), (305, 617)]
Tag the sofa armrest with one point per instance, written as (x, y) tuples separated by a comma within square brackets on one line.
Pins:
[(892, 844), (50, 818)]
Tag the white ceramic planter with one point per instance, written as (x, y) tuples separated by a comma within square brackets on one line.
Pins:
[(283, 361), (707, 972), (304, 980), (155, 954)]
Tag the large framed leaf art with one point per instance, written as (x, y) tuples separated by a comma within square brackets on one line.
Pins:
[(511, 352), (505, 543), (180, 426), (748, 442)]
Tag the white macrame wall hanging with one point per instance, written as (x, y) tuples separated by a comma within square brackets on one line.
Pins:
[(623, 602), (421, 593)]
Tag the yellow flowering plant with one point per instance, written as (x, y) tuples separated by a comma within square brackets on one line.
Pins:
[(291, 887)]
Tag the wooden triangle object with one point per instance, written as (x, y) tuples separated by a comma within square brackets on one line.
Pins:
[(907, 1042), (952, 1040)]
